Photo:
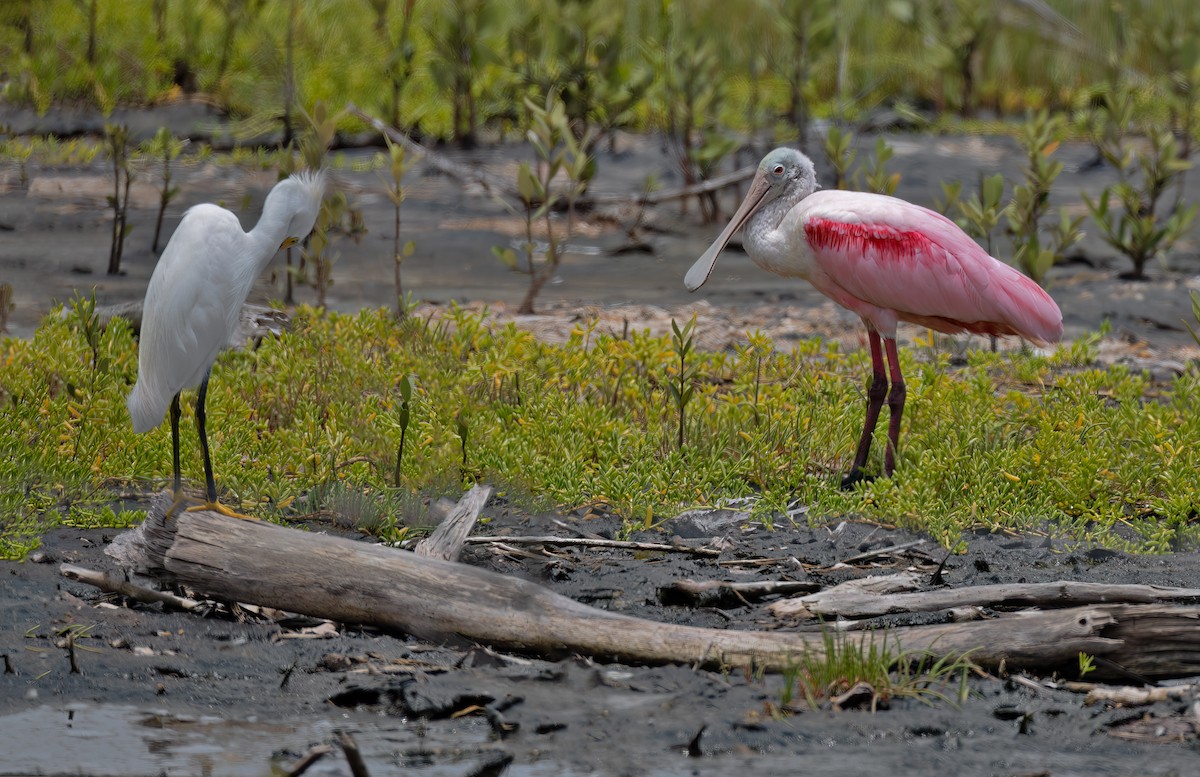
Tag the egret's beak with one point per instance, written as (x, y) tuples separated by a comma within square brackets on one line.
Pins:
[(288, 242), (755, 198)]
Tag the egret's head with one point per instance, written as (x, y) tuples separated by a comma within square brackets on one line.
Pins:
[(298, 198)]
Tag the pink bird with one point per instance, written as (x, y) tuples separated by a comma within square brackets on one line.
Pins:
[(886, 260)]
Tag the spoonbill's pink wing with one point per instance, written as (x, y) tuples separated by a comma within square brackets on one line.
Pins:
[(888, 259)]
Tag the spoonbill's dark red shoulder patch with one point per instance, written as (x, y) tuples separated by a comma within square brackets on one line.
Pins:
[(878, 241)]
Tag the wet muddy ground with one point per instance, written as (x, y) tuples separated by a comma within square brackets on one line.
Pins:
[(169, 693)]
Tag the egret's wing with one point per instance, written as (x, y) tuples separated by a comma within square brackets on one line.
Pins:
[(897, 256)]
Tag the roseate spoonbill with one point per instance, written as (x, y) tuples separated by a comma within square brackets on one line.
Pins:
[(194, 302), (886, 260)]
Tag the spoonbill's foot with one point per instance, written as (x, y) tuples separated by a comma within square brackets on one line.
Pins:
[(854, 477), (217, 507)]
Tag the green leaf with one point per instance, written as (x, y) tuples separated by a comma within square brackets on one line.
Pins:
[(527, 184)]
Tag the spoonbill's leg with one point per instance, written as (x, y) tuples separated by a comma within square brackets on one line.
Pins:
[(877, 391), (210, 482), (895, 401)]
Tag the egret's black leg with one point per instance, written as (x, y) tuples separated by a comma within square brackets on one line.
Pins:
[(210, 483), (177, 490), (175, 446)]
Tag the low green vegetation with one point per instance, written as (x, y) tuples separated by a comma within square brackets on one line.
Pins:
[(865, 663), (1009, 441)]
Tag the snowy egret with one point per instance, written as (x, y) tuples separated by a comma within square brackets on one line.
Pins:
[(886, 260), (194, 302)]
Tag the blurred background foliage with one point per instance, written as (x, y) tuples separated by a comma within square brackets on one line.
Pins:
[(451, 68)]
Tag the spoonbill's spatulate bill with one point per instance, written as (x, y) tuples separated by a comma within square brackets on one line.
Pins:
[(886, 260), (194, 302)]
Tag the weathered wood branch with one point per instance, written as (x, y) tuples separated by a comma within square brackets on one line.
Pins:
[(447, 539), (496, 185), (850, 600), (350, 581)]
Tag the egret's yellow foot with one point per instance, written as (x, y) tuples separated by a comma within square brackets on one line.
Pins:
[(176, 502), (217, 507)]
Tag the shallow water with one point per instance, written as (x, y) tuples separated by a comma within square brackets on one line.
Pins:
[(124, 741)]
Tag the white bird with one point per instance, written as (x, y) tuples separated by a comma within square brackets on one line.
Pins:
[(886, 260), (194, 302)]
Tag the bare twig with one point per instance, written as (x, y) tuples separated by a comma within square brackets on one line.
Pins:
[(125, 588), (578, 532), (888, 551), (713, 592), (596, 543), (358, 767), (1130, 696), (71, 654), (308, 759)]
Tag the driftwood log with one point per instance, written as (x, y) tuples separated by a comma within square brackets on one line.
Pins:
[(355, 582)]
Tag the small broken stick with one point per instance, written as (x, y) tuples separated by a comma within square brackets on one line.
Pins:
[(597, 543), (308, 759), (358, 767), (712, 593), (125, 588)]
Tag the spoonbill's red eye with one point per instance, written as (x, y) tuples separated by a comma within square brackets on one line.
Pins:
[(778, 170)]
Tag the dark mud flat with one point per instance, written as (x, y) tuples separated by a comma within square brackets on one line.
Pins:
[(171, 693), (55, 230)]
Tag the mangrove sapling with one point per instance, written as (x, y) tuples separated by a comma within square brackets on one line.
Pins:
[(463, 430), (838, 146), (1195, 296), (1040, 137), (462, 33), (981, 211), (403, 416), (683, 387), (116, 144), (876, 177), (337, 215), (6, 304), (164, 148), (692, 94), (568, 47), (19, 151), (559, 152), (398, 164), (1139, 228)]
